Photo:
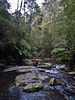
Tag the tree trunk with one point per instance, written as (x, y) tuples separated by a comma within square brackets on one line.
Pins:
[(68, 66)]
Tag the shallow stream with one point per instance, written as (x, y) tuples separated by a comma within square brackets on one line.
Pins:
[(66, 91)]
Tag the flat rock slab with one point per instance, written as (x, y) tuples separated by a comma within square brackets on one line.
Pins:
[(24, 69), (24, 79), (32, 87), (49, 64), (41, 70), (27, 70), (44, 77), (18, 68), (46, 65), (27, 78)]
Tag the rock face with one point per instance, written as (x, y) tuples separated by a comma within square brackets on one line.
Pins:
[(32, 87)]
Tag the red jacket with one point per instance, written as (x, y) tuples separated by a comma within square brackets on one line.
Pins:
[(36, 62)]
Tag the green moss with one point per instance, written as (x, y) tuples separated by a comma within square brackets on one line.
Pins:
[(41, 86), (23, 83), (29, 64), (17, 82)]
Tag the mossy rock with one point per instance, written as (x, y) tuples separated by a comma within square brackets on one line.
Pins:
[(32, 87), (29, 63), (27, 78), (24, 79), (54, 82), (44, 78)]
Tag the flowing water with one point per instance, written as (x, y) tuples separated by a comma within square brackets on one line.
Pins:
[(66, 91)]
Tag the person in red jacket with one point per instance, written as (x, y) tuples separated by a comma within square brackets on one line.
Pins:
[(36, 63)]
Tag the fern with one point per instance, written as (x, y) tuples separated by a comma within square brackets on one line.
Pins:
[(24, 49), (55, 50), (62, 52)]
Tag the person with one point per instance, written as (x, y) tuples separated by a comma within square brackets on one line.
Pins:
[(36, 63)]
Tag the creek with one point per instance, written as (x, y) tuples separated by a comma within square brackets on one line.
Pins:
[(66, 91)]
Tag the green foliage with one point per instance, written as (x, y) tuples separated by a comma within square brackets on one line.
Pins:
[(56, 50), (24, 49), (42, 29), (10, 59), (63, 29), (62, 52)]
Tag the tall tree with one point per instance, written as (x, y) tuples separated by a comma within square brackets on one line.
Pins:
[(32, 6), (50, 9), (4, 4)]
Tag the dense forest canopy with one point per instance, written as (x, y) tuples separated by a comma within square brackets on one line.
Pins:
[(33, 31)]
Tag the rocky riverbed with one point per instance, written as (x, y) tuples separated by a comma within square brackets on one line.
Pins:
[(48, 81)]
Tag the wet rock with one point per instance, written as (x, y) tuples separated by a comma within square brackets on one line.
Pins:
[(46, 65), (51, 82), (71, 73), (49, 64), (16, 68), (44, 77), (24, 79), (32, 87), (25, 70), (46, 87), (41, 70), (54, 82), (27, 78)]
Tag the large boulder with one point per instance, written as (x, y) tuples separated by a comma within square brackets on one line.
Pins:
[(32, 87), (24, 79), (31, 77)]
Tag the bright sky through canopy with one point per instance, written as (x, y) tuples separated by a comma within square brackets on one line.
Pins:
[(14, 4)]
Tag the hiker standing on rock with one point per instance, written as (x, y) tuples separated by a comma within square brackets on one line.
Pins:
[(36, 63)]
